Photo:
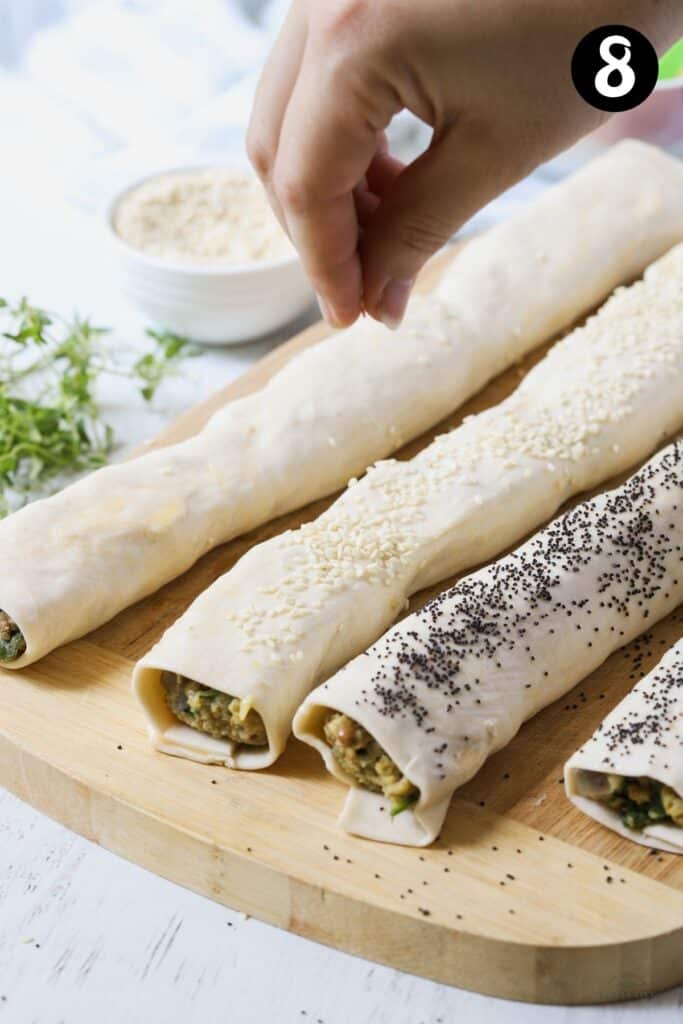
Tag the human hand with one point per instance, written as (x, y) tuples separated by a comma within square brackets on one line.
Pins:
[(491, 77)]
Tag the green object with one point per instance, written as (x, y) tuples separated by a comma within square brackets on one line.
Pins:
[(402, 805), (671, 64), (635, 820), (50, 418), (636, 815), (12, 647)]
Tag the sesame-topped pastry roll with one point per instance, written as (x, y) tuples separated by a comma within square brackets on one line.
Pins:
[(72, 561), (412, 719), (629, 775), (297, 607)]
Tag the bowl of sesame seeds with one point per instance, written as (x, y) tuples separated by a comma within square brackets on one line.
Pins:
[(200, 252)]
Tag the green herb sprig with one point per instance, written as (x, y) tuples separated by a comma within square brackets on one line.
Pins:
[(50, 419)]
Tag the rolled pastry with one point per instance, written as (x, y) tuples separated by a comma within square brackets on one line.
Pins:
[(629, 776), (74, 560), (297, 607), (417, 715)]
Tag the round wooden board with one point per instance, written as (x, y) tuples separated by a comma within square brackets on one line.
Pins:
[(521, 896)]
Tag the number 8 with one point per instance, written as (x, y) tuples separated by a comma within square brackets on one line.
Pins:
[(627, 78)]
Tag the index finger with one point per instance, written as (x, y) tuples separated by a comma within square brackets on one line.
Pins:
[(327, 142), (271, 98)]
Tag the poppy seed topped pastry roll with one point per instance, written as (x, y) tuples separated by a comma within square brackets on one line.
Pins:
[(297, 607), (416, 716), (629, 775), (72, 561)]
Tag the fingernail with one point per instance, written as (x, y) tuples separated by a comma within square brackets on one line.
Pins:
[(392, 305)]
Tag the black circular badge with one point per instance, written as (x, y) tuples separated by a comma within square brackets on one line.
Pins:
[(615, 68)]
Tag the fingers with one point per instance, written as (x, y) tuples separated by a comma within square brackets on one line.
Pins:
[(366, 203), (383, 170), (272, 96), (327, 141), (378, 179), (423, 205)]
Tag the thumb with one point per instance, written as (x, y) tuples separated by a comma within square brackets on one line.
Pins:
[(426, 203)]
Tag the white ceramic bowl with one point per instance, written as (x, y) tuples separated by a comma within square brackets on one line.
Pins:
[(215, 305)]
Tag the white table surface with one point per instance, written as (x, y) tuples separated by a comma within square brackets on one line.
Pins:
[(87, 938)]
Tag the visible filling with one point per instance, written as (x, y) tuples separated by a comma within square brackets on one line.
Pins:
[(360, 757), (12, 643), (638, 801), (218, 714)]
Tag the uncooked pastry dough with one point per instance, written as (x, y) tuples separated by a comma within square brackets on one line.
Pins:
[(72, 561), (643, 736), (297, 607), (452, 683)]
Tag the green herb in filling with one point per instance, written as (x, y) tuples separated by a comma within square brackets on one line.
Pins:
[(210, 711), (12, 643), (638, 801), (360, 757), (403, 805)]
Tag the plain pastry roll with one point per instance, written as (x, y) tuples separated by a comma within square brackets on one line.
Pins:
[(74, 560), (412, 719), (224, 681), (629, 776)]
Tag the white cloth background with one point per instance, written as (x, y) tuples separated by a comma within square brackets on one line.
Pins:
[(112, 88)]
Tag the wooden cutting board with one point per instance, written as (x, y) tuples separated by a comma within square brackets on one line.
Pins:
[(521, 897)]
